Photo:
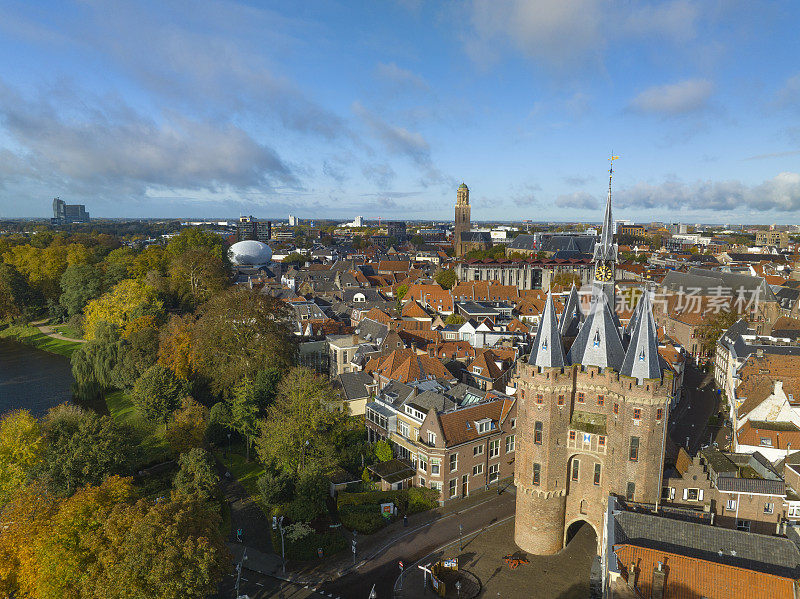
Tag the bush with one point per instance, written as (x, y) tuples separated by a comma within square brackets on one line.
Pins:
[(275, 489), (366, 519), (421, 499)]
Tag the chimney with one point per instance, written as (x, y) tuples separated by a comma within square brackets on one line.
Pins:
[(659, 581), (632, 576)]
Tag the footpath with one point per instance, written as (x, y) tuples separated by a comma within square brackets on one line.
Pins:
[(48, 330), (441, 522)]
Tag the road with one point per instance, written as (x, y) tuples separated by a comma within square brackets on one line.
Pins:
[(690, 419), (256, 586), (383, 569)]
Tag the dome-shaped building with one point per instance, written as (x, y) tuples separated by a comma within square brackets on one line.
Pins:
[(250, 253)]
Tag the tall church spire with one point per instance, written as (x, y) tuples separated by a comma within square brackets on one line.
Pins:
[(605, 251), (642, 360), (547, 349)]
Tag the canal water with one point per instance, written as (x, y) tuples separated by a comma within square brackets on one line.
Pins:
[(32, 379)]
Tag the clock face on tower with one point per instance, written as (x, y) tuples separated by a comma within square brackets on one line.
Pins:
[(603, 273)]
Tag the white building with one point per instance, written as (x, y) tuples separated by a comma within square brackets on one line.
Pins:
[(293, 221)]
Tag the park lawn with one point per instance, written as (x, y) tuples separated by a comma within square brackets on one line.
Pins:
[(33, 336), (246, 472), (155, 447), (68, 331)]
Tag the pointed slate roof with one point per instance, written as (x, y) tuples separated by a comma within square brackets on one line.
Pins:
[(547, 350), (598, 342), (641, 360), (571, 316), (635, 315), (605, 249)]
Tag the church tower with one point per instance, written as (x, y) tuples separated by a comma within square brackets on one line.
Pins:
[(462, 220), (591, 421)]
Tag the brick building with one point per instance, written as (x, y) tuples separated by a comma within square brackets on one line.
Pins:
[(591, 421)]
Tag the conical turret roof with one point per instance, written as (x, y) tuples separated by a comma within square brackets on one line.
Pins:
[(571, 317), (635, 315), (598, 342), (641, 360), (547, 349)]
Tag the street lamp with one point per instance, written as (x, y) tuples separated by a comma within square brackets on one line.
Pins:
[(229, 442), (277, 524), (460, 541), (372, 593), (458, 587)]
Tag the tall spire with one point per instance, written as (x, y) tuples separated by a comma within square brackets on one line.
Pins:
[(642, 360), (571, 317), (605, 249), (598, 342), (547, 350)]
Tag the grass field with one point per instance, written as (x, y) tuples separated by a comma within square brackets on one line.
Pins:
[(247, 472), (154, 443), (68, 331), (32, 336)]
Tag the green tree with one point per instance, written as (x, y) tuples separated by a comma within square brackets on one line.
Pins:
[(196, 238), (168, 549), (80, 283), (196, 476), (20, 450), (237, 333), (196, 275), (294, 258), (275, 488), (310, 497), (190, 426), (265, 387), (136, 354), (383, 450), (219, 418), (566, 279), (81, 448), (298, 432), (446, 278), (244, 412), (17, 300), (158, 393), (713, 330), (455, 319), (93, 363)]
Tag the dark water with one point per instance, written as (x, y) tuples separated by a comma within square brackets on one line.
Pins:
[(32, 379)]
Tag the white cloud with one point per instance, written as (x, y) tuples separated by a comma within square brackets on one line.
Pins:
[(780, 194), (674, 98), (789, 95), (561, 33), (579, 200), (400, 77)]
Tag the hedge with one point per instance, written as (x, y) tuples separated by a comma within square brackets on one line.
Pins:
[(365, 518), (408, 501)]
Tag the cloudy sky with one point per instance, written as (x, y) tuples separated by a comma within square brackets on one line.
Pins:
[(333, 109)]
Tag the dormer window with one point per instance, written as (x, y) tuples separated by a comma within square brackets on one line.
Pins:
[(477, 369), (641, 356), (544, 343), (597, 339), (484, 426)]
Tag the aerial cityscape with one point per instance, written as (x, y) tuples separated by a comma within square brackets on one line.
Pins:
[(400, 300)]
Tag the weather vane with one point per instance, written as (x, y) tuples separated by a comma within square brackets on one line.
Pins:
[(611, 170)]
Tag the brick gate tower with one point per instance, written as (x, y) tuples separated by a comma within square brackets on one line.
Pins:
[(592, 420)]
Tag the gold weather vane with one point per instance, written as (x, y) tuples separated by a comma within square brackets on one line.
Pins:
[(611, 170)]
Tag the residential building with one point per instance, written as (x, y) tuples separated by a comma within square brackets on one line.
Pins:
[(396, 229), (779, 239), (525, 274)]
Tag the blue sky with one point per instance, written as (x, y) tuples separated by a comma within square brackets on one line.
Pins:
[(333, 109)]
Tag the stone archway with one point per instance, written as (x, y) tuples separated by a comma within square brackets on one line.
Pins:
[(574, 527)]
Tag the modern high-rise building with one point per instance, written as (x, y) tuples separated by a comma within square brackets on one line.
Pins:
[(593, 406), (250, 227), (293, 221), (65, 214)]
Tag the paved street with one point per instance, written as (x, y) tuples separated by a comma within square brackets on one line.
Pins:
[(699, 402), (257, 586)]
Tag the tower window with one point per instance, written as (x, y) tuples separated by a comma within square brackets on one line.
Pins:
[(581, 397), (659, 414), (536, 472), (575, 469), (630, 491), (597, 468), (637, 413), (539, 398), (537, 433), (571, 435), (601, 400), (561, 400), (634, 449), (616, 408)]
